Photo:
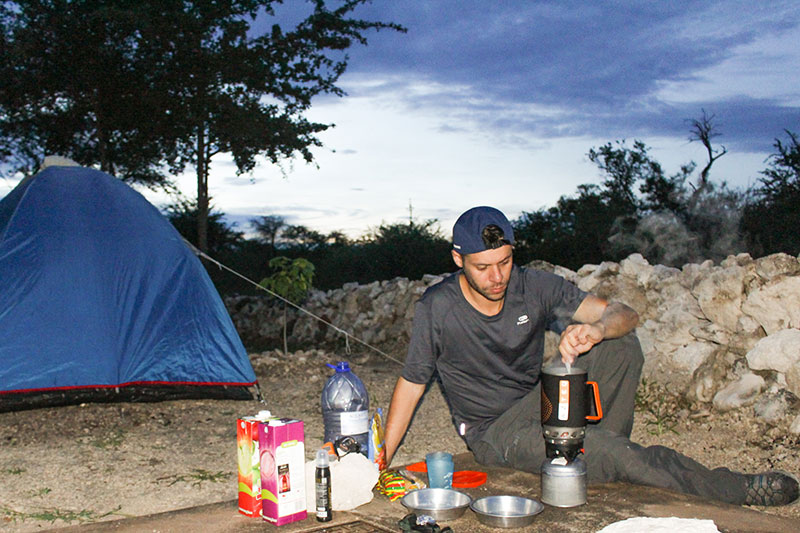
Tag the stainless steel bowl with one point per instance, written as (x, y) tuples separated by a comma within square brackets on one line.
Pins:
[(442, 504), (506, 511)]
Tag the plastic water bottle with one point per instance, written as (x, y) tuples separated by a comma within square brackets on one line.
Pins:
[(345, 407)]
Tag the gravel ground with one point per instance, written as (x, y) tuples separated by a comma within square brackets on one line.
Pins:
[(67, 465)]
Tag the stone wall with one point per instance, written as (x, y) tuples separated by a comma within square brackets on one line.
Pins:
[(727, 334)]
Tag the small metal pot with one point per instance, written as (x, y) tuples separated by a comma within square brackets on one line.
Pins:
[(442, 504), (506, 511)]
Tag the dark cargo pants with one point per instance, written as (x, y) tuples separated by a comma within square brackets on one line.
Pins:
[(515, 439)]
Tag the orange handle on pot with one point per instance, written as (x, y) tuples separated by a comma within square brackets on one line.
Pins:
[(597, 405)]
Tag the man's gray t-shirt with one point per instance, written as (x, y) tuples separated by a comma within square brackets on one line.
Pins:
[(486, 364)]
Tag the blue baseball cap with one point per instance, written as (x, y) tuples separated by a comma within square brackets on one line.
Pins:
[(468, 230)]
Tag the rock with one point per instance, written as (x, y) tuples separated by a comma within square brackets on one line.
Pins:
[(748, 333), (775, 305), (775, 265), (720, 295), (635, 266), (604, 271), (711, 333), (779, 352), (772, 408), (739, 393), (708, 376), (794, 428), (691, 356), (705, 329)]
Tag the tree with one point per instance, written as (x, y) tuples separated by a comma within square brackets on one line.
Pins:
[(268, 227), (302, 237), (235, 90), (623, 167), (222, 239), (703, 130), (73, 82), (636, 208), (572, 233), (291, 280), (771, 216), (407, 250), (172, 83)]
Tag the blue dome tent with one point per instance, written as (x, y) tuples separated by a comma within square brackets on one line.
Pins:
[(101, 300)]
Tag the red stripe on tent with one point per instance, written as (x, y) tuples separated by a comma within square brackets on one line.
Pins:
[(74, 387)]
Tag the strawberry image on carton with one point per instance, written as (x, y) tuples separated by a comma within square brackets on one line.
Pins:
[(283, 491), (248, 459)]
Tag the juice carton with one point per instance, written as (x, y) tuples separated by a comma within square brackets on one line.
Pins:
[(249, 463), (283, 482)]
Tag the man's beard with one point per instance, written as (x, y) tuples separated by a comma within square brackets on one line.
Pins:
[(489, 296)]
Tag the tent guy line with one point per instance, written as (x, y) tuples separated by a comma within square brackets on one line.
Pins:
[(347, 335)]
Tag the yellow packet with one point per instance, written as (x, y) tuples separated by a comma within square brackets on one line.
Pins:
[(377, 450)]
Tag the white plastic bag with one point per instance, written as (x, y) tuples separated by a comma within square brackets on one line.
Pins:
[(352, 479)]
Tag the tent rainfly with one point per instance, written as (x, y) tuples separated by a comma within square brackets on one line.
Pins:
[(101, 300)]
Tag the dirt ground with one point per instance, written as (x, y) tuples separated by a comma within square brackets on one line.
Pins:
[(67, 465)]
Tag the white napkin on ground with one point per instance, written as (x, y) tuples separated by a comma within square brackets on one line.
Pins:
[(661, 525)]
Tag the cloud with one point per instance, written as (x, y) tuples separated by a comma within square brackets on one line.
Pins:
[(573, 68)]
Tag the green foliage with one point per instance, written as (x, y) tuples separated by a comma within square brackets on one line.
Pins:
[(138, 87), (73, 82), (636, 208), (51, 515), (109, 441), (302, 238), (196, 477), (772, 212), (223, 240), (291, 279), (268, 228), (409, 250), (623, 168), (572, 233), (580, 229), (658, 405)]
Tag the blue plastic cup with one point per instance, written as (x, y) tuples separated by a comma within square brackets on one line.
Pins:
[(440, 470)]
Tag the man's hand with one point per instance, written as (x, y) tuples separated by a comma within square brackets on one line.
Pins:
[(597, 320), (579, 338)]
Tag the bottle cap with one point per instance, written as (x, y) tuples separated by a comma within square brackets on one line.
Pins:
[(263, 416), (322, 458), (341, 366)]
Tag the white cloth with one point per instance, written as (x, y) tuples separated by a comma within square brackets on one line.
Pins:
[(661, 525), (352, 479)]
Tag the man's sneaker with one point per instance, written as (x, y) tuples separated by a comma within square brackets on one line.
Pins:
[(771, 488)]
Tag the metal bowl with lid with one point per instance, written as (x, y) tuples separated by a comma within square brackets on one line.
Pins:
[(441, 504), (506, 511)]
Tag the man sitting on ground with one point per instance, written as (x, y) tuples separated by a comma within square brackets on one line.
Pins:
[(482, 331)]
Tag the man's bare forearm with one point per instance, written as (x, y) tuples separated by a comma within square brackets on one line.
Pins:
[(405, 397), (617, 320)]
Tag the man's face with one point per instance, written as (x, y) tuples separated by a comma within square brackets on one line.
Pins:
[(487, 272)]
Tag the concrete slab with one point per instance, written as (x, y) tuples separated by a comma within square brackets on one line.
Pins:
[(607, 503)]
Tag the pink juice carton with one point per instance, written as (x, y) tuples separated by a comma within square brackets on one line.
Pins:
[(248, 456), (283, 484)]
